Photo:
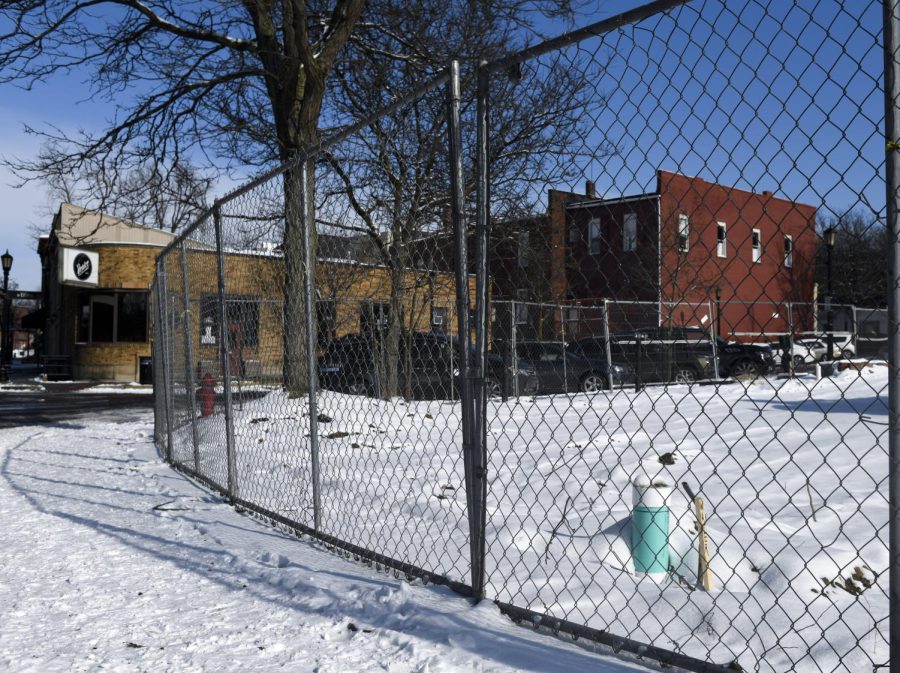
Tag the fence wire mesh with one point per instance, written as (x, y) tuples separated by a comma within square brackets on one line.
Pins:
[(612, 370)]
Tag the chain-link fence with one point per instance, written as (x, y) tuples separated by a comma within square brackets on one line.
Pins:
[(599, 373)]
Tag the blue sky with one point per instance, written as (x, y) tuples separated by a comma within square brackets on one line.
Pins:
[(721, 91)]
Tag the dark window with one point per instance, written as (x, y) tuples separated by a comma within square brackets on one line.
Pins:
[(595, 242), (84, 318), (373, 317), (111, 318), (439, 320), (132, 318), (103, 318), (241, 315)]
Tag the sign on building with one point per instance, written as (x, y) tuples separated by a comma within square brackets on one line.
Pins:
[(78, 267)]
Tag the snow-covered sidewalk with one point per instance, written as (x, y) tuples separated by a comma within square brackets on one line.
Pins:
[(111, 561)]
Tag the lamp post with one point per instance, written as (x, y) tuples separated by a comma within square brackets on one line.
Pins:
[(718, 291), (830, 237), (6, 358)]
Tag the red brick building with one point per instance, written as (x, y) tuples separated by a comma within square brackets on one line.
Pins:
[(688, 246)]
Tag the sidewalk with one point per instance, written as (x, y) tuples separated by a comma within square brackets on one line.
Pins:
[(112, 561)]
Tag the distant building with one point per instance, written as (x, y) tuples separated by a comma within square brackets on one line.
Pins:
[(97, 272), (688, 245), (665, 257)]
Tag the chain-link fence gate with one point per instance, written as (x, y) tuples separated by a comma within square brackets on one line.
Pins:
[(598, 374)]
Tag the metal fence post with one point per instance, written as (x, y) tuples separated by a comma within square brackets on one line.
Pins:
[(457, 201), (170, 355), (225, 355), (482, 238), (306, 199), (163, 346), (892, 129), (189, 356), (607, 345), (713, 335)]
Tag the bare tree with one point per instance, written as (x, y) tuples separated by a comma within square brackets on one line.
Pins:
[(164, 197), (391, 181), (238, 82)]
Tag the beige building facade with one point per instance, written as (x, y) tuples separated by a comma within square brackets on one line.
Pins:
[(101, 326)]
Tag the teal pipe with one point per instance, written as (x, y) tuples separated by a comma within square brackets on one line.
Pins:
[(650, 538)]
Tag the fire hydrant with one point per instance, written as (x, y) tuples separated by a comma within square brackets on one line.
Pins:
[(207, 395)]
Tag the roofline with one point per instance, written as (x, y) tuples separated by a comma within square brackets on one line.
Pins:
[(648, 196)]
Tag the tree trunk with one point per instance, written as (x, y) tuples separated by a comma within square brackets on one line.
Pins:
[(297, 377)]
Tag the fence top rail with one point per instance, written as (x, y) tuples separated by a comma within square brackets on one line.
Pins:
[(593, 30), (440, 78)]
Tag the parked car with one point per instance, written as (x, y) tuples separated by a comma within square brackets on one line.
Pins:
[(843, 344), (681, 354), (561, 371), (654, 354), (808, 351), (355, 364)]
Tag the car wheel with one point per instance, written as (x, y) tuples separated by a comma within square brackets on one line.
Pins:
[(798, 360), (358, 388), (685, 375), (745, 368), (592, 383), (847, 354), (492, 387)]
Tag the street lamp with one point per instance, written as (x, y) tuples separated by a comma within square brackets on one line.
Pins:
[(830, 238), (5, 357)]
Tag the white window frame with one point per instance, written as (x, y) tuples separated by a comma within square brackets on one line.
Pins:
[(629, 232), (756, 246), (721, 239), (684, 232), (788, 251), (595, 235)]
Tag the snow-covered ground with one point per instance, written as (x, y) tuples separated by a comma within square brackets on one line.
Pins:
[(110, 561), (793, 473)]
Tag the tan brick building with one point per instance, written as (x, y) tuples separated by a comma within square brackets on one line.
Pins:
[(102, 326)]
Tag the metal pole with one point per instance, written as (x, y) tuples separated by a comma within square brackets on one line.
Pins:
[(892, 160), (4, 347), (167, 356), (309, 281), (162, 350), (457, 201), (482, 233), (715, 346), (513, 345), (608, 346), (225, 356), (189, 356)]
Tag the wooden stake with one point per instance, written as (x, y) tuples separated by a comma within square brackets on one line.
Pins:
[(704, 572)]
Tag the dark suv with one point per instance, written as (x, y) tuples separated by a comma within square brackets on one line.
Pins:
[(683, 354), (562, 371), (355, 364)]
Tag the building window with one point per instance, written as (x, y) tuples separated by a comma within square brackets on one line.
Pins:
[(119, 317), (789, 251), (241, 316), (629, 232), (374, 317), (684, 232), (439, 319), (522, 307), (574, 235), (721, 239), (523, 249), (594, 241), (757, 246)]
